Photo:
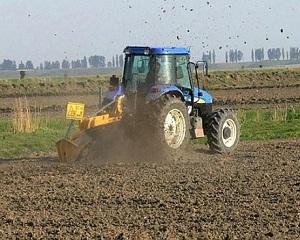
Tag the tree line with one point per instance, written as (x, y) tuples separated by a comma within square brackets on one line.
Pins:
[(95, 61), (98, 61), (257, 55), (273, 54)]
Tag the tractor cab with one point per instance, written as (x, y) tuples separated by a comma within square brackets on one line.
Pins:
[(153, 72), (148, 67)]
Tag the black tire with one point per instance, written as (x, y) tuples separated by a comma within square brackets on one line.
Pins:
[(163, 109), (223, 131)]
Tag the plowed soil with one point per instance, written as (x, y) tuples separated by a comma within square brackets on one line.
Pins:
[(251, 194), (257, 97)]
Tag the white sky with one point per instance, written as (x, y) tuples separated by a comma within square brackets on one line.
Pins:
[(53, 30)]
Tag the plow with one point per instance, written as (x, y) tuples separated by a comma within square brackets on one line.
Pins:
[(159, 98), (69, 149)]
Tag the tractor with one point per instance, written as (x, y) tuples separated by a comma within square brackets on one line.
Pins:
[(159, 102)]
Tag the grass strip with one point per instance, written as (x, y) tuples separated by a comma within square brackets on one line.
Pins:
[(24, 144), (255, 125)]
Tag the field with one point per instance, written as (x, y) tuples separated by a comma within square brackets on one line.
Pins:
[(253, 193)]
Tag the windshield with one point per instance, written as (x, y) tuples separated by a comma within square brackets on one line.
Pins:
[(145, 71)]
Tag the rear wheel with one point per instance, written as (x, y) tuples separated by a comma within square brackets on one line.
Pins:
[(223, 131), (171, 123)]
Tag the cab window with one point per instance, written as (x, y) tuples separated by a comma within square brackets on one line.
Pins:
[(136, 71)]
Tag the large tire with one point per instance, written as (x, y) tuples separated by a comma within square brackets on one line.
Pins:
[(170, 123), (223, 131)]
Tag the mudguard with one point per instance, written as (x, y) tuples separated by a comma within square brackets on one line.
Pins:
[(158, 91), (203, 97)]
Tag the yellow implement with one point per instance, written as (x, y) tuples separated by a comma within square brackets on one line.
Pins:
[(69, 149)]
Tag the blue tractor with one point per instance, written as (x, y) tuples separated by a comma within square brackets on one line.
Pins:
[(160, 100), (162, 86)]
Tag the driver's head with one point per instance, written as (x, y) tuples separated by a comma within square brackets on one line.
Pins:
[(154, 66), (114, 81)]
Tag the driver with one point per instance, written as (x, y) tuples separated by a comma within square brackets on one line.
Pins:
[(153, 74), (113, 89)]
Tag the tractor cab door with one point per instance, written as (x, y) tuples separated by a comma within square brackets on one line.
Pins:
[(134, 81), (135, 72), (184, 80), (182, 74)]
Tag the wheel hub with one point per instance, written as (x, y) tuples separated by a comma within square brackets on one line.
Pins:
[(226, 132), (174, 128), (229, 133)]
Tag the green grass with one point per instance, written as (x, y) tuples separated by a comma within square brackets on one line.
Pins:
[(24, 144), (270, 124), (255, 125), (270, 130)]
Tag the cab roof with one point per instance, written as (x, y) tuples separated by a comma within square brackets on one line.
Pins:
[(156, 50)]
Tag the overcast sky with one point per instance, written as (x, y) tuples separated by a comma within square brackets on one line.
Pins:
[(53, 30)]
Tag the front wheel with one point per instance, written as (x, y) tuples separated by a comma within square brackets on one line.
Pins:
[(223, 131)]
